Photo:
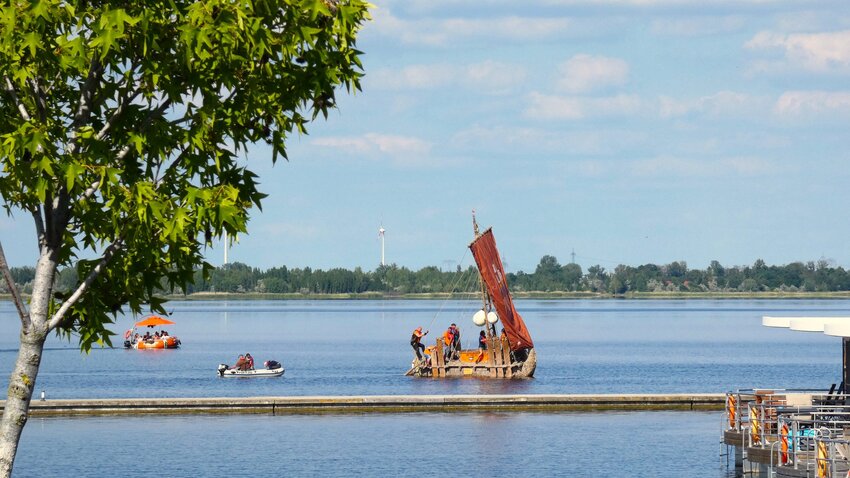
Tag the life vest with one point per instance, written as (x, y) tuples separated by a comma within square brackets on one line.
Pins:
[(732, 412), (822, 460), (783, 455), (448, 337)]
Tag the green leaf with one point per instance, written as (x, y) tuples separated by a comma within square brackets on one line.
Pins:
[(32, 41), (71, 173)]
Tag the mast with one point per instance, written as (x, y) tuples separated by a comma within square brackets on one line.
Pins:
[(486, 303)]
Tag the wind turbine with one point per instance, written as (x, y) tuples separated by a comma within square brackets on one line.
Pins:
[(381, 235), (225, 247)]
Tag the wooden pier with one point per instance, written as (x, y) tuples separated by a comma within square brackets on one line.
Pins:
[(375, 403)]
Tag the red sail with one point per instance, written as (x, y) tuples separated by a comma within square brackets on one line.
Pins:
[(493, 273)]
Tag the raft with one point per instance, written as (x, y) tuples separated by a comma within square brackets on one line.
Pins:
[(167, 342), (497, 362), (508, 355)]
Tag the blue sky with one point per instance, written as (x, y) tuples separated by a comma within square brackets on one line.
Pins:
[(630, 131)]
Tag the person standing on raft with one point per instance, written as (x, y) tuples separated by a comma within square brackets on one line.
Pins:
[(452, 340), (482, 346), (416, 342)]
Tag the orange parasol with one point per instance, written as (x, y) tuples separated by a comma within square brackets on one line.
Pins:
[(153, 321)]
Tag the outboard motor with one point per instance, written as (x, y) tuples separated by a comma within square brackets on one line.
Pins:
[(127, 344), (272, 364), (222, 367)]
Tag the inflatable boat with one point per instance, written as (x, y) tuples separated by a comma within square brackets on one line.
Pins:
[(224, 370), (160, 343), (159, 340)]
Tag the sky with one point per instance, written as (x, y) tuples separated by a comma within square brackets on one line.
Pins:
[(625, 131)]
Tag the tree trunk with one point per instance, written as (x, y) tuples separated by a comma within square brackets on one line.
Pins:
[(21, 386)]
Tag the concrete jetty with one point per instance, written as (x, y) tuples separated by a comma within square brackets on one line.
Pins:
[(375, 403)]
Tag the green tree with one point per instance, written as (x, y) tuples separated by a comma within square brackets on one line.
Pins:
[(548, 274), (596, 278), (121, 129), (619, 282), (572, 276)]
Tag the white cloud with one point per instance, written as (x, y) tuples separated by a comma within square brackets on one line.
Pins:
[(685, 167), (372, 143), (675, 167), (583, 73), (404, 151), (489, 77), (493, 77), (576, 107), (698, 25), (675, 3), (820, 52), (718, 104), (532, 140), (796, 103), (445, 32), (414, 77)]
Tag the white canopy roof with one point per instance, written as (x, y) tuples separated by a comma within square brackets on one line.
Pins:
[(837, 329), (776, 321), (837, 326)]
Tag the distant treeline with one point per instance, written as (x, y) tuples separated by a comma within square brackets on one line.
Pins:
[(549, 276)]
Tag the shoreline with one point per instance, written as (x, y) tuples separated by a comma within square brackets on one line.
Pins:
[(517, 295), (837, 295), (377, 404)]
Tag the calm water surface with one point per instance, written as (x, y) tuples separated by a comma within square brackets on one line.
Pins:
[(360, 347), (640, 444)]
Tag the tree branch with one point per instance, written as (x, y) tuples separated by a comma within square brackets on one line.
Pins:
[(39, 226), (116, 114), (91, 190), (40, 100), (10, 88), (13, 289), (129, 95), (86, 93), (108, 254)]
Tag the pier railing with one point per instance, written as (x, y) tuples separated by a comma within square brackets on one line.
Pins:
[(832, 457), (740, 418), (804, 430)]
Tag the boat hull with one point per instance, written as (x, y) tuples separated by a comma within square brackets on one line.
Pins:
[(224, 371)]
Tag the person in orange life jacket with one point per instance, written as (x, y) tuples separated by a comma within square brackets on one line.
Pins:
[(482, 346), (452, 340), (456, 340), (416, 342)]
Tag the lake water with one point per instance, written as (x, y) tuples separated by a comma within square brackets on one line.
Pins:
[(639, 444), (361, 348)]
